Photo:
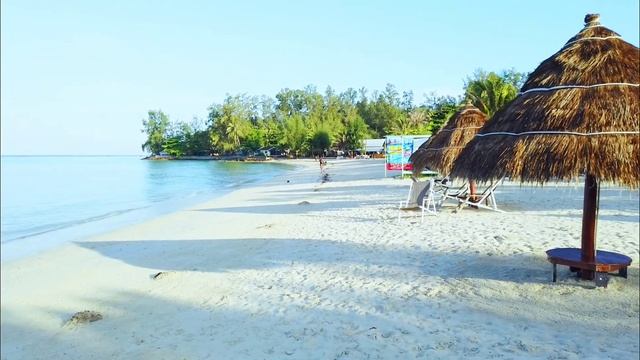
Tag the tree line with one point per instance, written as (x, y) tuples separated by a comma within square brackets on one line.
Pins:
[(305, 121)]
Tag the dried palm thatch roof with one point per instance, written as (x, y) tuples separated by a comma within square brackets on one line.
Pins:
[(589, 88), (442, 149)]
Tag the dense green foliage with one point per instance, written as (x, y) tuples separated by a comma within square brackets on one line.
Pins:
[(490, 92), (155, 126), (305, 121), (320, 142)]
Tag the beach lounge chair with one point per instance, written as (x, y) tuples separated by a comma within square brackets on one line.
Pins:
[(484, 200), (455, 193), (421, 196)]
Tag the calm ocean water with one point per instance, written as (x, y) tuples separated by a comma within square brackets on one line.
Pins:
[(48, 199)]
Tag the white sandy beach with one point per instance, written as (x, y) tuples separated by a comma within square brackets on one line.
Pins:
[(257, 275)]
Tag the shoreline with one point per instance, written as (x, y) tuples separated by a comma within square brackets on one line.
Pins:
[(32, 244), (307, 269), (208, 158), (241, 158)]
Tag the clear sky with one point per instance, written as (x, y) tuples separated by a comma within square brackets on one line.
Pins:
[(77, 77)]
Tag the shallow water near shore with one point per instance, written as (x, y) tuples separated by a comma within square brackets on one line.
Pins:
[(51, 199)]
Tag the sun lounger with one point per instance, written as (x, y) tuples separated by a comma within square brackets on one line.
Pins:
[(484, 200), (453, 193)]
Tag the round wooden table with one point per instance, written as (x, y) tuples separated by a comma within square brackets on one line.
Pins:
[(605, 263)]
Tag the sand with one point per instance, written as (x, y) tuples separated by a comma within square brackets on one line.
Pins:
[(260, 274)]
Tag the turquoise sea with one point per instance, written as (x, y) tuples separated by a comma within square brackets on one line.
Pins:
[(47, 200)]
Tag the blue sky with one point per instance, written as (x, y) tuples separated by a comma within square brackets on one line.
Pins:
[(77, 77)]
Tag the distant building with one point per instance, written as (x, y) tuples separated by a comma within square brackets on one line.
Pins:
[(372, 146), (263, 152), (270, 151)]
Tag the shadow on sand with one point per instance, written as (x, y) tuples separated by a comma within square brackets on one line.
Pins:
[(293, 208), (158, 324), (376, 261)]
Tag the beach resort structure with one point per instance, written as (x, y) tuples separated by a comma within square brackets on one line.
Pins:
[(443, 148), (577, 114), (372, 146)]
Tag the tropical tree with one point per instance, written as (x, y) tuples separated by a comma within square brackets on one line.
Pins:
[(320, 141), (301, 119), (383, 110), (399, 125), (229, 123), (489, 92), (406, 104), (174, 146), (332, 114), (198, 143), (413, 123), (355, 131), (196, 137), (440, 108), (419, 119), (290, 102), (254, 139), (155, 126), (294, 135), (272, 132), (314, 109), (514, 77), (351, 129)]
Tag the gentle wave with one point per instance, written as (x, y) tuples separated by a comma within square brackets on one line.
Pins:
[(44, 229)]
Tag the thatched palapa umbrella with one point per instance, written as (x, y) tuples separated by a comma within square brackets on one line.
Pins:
[(577, 113), (443, 148)]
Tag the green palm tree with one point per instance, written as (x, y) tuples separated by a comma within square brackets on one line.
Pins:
[(295, 134), (230, 126), (490, 93)]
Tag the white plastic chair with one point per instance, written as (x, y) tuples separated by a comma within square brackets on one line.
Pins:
[(421, 195), (429, 201)]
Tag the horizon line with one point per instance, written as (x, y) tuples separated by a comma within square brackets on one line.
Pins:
[(87, 155)]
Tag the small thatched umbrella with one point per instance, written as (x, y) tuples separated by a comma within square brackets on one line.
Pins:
[(443, 148), (578, 113)]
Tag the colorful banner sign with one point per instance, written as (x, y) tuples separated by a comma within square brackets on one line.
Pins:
[(393, 152), (399, 149)]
